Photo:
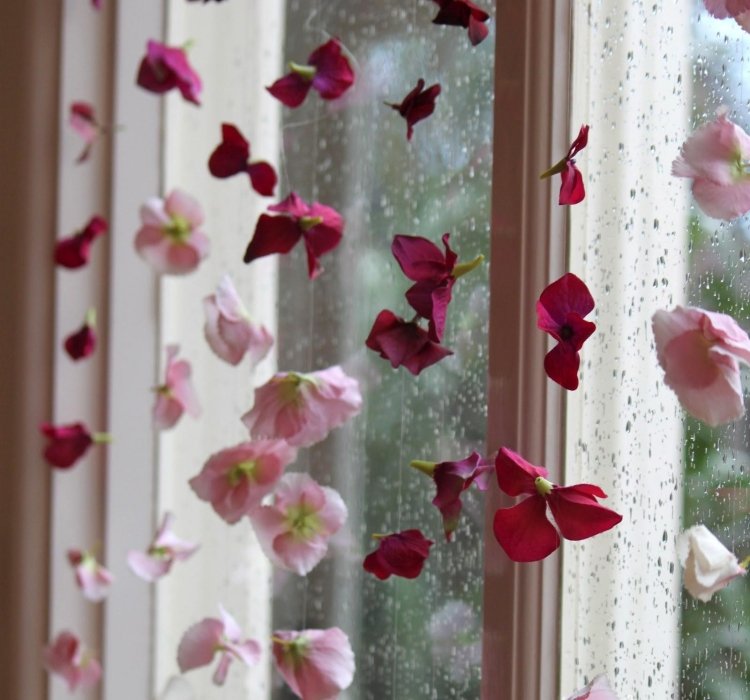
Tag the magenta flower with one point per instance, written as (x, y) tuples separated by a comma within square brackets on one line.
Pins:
[(572, 190), (524, 531), (303, 408), (417, 105), (68, 658), (319, 226), (164, 68), (200, 643), (171, 239), (91, 577), (73, 252), (97, 4), (177, 395), (700, 352), (294, 528), (739, 10), (232, 156), (165, 549), (68, 443), (327, 71), (598, 689), (85, 124), (560, 312), (235, 480), (82, 343), (398, 554), (463, 13)]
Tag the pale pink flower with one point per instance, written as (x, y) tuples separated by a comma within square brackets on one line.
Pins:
[(177, 395), (700, 353), (165, 549), (91, 577), (201, 642), (295, 527), (66, 657), (303, 408), (235, 480), (171, 239), (739, 10), (229, 331), (598, 689), (316, 664)]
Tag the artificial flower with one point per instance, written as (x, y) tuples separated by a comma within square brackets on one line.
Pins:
[(319, 226), (166, 67), (560, 312), (524, 531), (398, 554), (294, 528), (716, 158), (700, 352), (316, 664), (171, 239), (85, 124), (74, 251), (165, 549), (739, 10), (303, 408), (327, 71), (598, 689), (235, 480), (91, 577), (68, 658), (68, 443), (463, 13), (709, 565), (82, 343), (200, 643), (572, 190), (177, 395), (228, 329), (417, 105), (232, 156)]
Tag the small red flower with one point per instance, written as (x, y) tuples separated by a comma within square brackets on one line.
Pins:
[(327, 71), (232, 156), (559, 312), (572, 190), (74, 251), (84, 122), (398, 554), (417, 105), (82, 343), (67, 443), (463, 13), (164, 68)]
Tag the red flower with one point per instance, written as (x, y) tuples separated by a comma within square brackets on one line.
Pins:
[(417, 105), (232, 156), (82, 343), (84, 122), (559, 312), (571, 189), (463, 13), (327, 71), (67, 443), (320, 228), (524, 531), (164, 68), (74, 251), (398, 554)]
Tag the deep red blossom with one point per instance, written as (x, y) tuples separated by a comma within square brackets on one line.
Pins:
[(572, 190), (559, 312), (463, 13), (164, 68), (398, 554), (82, 343), (417, 105), (232, 156), (73, 252), (524, 531), (67, 443), (319, 226), (327, 71)]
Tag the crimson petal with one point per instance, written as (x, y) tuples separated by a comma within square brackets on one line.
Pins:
[(273, 234), (290, 90), (572, 190), (514, 474), (561, 365), (399, 554), (524, 531), (334, 75), (231, 155), (420, 259), (262, 177), (577, 513)]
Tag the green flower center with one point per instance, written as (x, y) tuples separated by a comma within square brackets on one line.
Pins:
[(306, 72), (242, 470), (307, 222), (543, 487), (303, 521), (178, 229), (290, 386)]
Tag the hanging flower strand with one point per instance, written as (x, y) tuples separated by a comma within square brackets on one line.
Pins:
[(69, 443), (417, 105), (572, 190), (165, 68), (232, 157)]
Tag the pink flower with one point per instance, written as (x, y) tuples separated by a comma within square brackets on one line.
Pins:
[(84, 123), (235, 480), (560, 312), (739, 10), (68, 443), (66, 657), (716, 158), (303, 408), (91, 577), (598, 689), (295, 527), (524, 531), (317, 664), (417, 105), (82, 343), (165, 549), (327, 71), (164, 68), (176, 395), (398, 554), (200, 643), (97, 4), (229, 331), (700, 353), (232, 156), (74, 251), (572, 190), (171, 239), (318, 226), (463, 13)]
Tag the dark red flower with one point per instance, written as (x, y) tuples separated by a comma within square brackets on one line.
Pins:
[(463, 13), (82, 343), (164, 68), (572, 190), (232, 156), (417, 105), (319, 226), (524, 531), (67, 443), (398, 554), (73, 252), (328, 71), (559, 312)]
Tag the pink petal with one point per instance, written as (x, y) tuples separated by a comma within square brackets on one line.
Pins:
[(198, 645), (180, 203), (597, 689), (167, 412), (722, 201), (147, 567), (524, 532)]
